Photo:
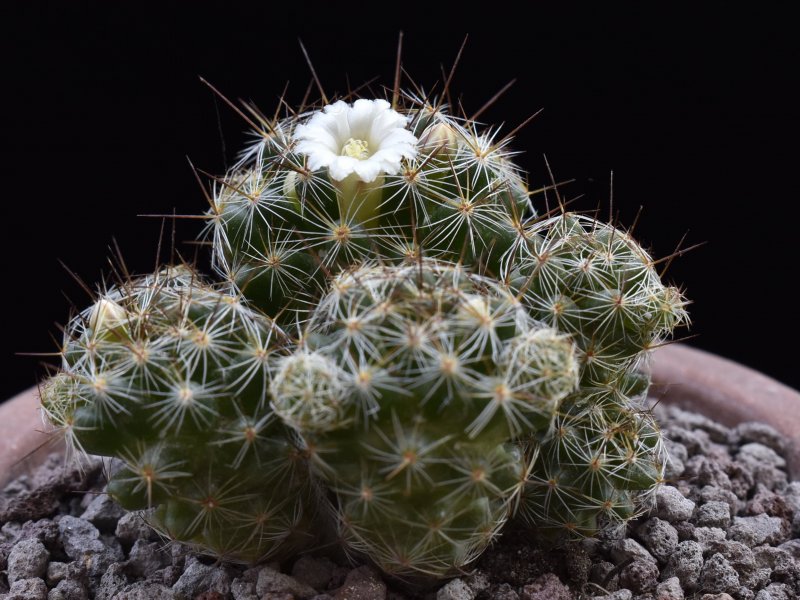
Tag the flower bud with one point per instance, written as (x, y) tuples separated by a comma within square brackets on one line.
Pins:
[(107, 318), (439, 139)]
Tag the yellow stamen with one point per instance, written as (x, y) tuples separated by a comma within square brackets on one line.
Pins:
[(356, 149)]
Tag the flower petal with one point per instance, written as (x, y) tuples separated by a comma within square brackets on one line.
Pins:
[(323, 137)]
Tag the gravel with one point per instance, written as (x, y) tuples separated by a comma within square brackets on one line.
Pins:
[(725, 527)]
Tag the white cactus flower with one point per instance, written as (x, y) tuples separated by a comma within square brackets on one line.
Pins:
[(367, 138)]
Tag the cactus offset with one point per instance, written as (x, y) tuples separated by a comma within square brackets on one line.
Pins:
[(169, 375), (411, 387)]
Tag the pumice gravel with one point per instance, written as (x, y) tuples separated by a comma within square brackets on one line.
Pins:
[(725, 527)]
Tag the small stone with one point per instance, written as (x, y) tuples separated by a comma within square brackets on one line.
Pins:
[(685, 530), (241, 589), (362, 583), (767, 502), (103, 513), (761, 529), (601, 574), (132, 526), (455, 589), (674, 467), (56, 571), (775, 559), (168, 576), (279, 596), (669, 589), (708, 536), (28, 559), (27, 589), (44, 530), (659, 537), (713, 514), (695, 442), (338, 577), (199, 578), (618, 595), (708, 471), (761, 433), (112, 544), (776, 591), (145, 590), (147, 557), (672, 506), (764, 463), (546, 587), (792, 547), (79, 537), (745, 593), (272, 581), (722, 596), (718, 576), (478, 581), (113, 580), (641, 576), (709, 493), (742, 480), (716, 432), (179, 554), (676, 459), (503, 591), (313, 571), (686, 564), (81, 541), (578, 565), (68, 589), (792, 496), (741, 558), (628, 549), (10, 531), (17, 486)]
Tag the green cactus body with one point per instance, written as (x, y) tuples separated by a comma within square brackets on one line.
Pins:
[(169, 375), (601, 466), (411, 387), (594, 282), (281, 228)]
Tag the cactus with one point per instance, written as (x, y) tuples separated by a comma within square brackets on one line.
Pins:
[(594, 282), (411, 386), (401, 354), (601, 466), (169, 375), (281, 225)]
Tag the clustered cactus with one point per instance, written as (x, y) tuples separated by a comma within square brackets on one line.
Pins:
[(399, 355)]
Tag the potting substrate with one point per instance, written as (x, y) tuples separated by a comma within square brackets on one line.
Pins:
[(726, 525)]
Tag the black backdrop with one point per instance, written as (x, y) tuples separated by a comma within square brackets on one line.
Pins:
[(692, 109)]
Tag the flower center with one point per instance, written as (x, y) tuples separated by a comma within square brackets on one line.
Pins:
[(356, 149)]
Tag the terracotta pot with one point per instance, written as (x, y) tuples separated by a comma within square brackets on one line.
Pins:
[(716, 387)]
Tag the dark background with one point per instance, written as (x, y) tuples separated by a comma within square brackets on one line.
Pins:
[(693, 110)]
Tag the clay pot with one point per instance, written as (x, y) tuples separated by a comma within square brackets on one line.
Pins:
[(716, 387)]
